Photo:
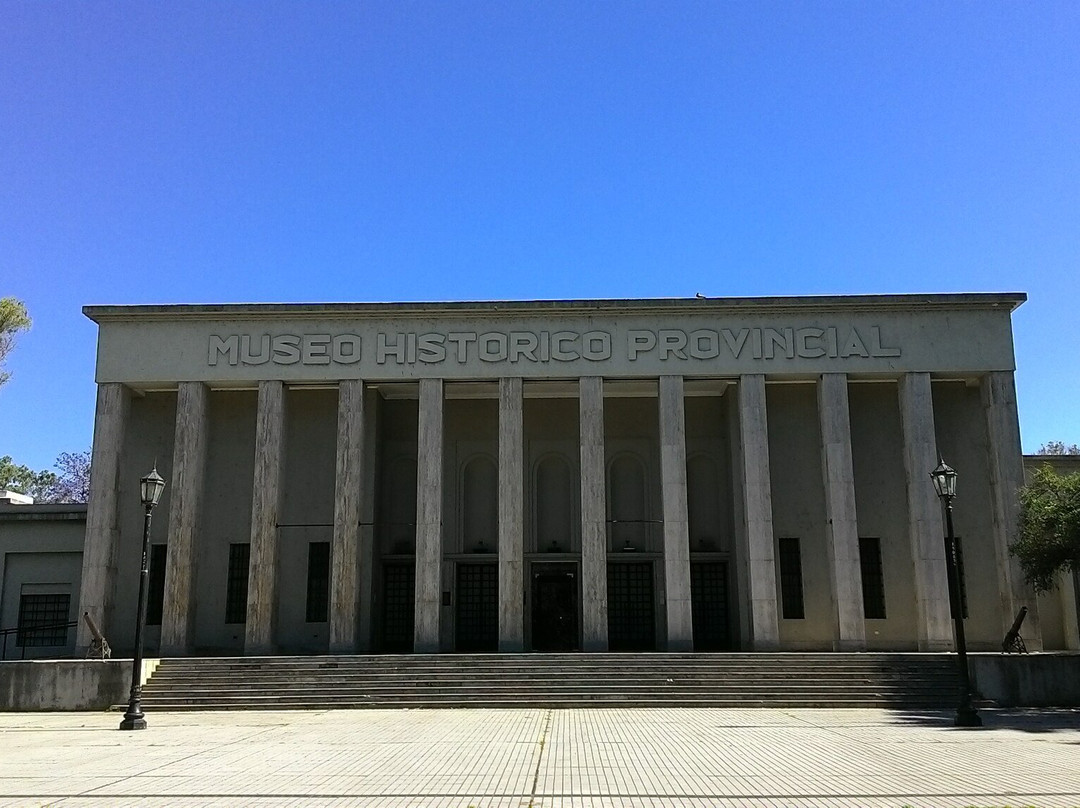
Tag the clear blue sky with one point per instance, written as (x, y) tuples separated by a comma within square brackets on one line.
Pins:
[(395, 151)]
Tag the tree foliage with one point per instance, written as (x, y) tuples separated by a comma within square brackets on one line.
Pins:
[(1049, 539), (1057, 447), (13, 320), (69, 483)]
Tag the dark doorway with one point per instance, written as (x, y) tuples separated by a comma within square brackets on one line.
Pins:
[(399, 604), (554, 607), (476, 623), (631, 615), (708, 602)]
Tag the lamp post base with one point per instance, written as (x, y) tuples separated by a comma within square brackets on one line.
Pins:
[(966, 716), (133, 719)]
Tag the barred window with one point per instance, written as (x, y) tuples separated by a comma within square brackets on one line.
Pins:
[(38, 611), (318, 581), (155, 599), (791, 584), (236, 584), (873, 578)]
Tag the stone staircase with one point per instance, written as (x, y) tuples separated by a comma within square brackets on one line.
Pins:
[(554, 680)]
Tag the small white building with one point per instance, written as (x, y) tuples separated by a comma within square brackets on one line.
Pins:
[(746, 473)]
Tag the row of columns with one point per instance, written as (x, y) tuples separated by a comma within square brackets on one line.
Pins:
[(352, 542)]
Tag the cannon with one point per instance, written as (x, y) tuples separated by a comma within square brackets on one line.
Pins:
[(99, 647), (1013, 641)]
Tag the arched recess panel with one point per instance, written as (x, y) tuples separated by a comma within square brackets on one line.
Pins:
[(480, 505), (628, 501), (554, 504), (707, 533)]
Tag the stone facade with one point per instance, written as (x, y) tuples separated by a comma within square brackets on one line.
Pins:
[(557, 475)]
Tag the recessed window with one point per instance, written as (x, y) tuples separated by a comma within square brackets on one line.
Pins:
[(42, 621), (155, 599), (236, 584), (873, 578), (960, 577), (318, 581), (791, 585)]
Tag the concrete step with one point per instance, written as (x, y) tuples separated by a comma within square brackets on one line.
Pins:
[(533, 680)]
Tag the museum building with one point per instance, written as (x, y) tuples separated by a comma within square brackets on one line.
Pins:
[(684, 474)]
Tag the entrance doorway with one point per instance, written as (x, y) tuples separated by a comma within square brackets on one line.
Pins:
[(399, 601), (555, 607), (631, 615), (708, 602), (476, 623)]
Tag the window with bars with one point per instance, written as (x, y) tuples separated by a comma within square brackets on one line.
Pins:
[(791, 585), (318, 581), (42, 610), (236, 584), (155, 596), (873, 578)]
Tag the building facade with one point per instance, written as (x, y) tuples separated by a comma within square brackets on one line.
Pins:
[(691, 474)]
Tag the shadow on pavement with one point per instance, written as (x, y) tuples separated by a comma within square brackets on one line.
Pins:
[(1042, 719)]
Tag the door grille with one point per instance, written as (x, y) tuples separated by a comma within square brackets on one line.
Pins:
[(477, 616), (631, 616), (399, 603), (708, 602)]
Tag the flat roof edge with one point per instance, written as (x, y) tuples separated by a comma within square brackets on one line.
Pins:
[(101, 313)]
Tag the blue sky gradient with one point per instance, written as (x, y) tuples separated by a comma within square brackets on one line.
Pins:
[(396, 151)]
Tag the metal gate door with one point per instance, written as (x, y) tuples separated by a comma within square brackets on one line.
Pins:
[(631, 615), (399, 604), (476, 622), (708, 601)]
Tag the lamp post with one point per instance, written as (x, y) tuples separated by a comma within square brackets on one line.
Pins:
[(944, 478), (150, 488)]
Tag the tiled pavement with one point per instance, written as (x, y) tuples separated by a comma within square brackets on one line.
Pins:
[(597, 758)]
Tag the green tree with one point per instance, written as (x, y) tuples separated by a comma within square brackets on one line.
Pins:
[(1049, 539), (24, 480), (13, 320)]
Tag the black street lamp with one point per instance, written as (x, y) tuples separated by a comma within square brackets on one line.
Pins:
[(150, 488), (944, 479)]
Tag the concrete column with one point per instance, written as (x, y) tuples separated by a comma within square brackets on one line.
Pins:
[(1070, 609), (1006, 463), (842, 527), (185, 519), (680, 627), (757, 512), (593, 516), (102, 531), (344, 546), (926, 528), (259, 633), (429, 506), (367, 518), (511, 516)]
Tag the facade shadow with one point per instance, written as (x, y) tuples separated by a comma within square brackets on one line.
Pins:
[(1030, 719)]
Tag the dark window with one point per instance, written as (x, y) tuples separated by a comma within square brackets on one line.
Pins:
[(42, 610), (791, 590), (236, 585), (318, 581), (155, 597), (960, 577), (873, 579)]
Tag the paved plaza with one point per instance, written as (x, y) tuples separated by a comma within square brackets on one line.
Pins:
[(542, 758)]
